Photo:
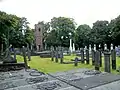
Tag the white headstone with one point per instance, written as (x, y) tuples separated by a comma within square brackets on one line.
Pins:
[(105, 46), (111, 47), (94, 47)]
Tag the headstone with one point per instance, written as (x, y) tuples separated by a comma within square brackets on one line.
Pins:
[(93, 57), (61, 55), (24, 56), (97, 60), (52, 53), (90, 50), (14, 54), (100, 51), (87, 56), (82, 55), (29, 54), (107, 61), (105, 47), (94, 47), (76, 62), (56, 55), (113, 56)]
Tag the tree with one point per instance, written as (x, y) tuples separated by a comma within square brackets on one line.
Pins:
[(82, 35), (62, 26)]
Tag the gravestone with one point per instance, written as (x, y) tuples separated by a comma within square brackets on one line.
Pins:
[(93, 57), (24, 56), (97, 60), (100, 51), (76, 62), (29, 54), (14, 54), (82, 55), (56, 55), (52, 53), (107, 61), (113, 56), (87, 56), (61, 55)]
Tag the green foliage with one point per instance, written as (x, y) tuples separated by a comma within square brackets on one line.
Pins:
[(13, 30), (60, 27), (82, 35)]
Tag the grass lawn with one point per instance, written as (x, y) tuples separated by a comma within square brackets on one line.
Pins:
[(47, 66)]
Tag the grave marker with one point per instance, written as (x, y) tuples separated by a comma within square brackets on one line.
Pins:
[(113, 56), (76, 62), (24, 56), (87, 56), (107, 61), (97, 60), (82, 55)]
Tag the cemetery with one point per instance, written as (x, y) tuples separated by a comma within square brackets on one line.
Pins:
[(58, 55)]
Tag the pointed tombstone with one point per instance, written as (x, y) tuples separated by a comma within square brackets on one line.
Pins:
[(107, 61), (82, 55), (24, 56), (100, 52), (113, 56)]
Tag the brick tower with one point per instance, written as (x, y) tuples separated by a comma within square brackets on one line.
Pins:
[(38, 36)]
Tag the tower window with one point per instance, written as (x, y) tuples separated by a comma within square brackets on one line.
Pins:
[(39, 29)]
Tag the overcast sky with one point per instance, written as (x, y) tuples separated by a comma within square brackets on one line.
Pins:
[(83, 11)]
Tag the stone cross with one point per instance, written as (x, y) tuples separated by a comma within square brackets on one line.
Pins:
[(107, 61), (82, 55), (87, 56), (24, 56), (97, 60)]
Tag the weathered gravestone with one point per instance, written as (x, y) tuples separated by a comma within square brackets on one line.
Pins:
[(82, 55), (24, 56), (29, 54), (76, 62), (61, 55), (100, 51), (113, 56), (52, 53), (56, 55), (107, 61), (93, 57), (87, 56), (97, 60)]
